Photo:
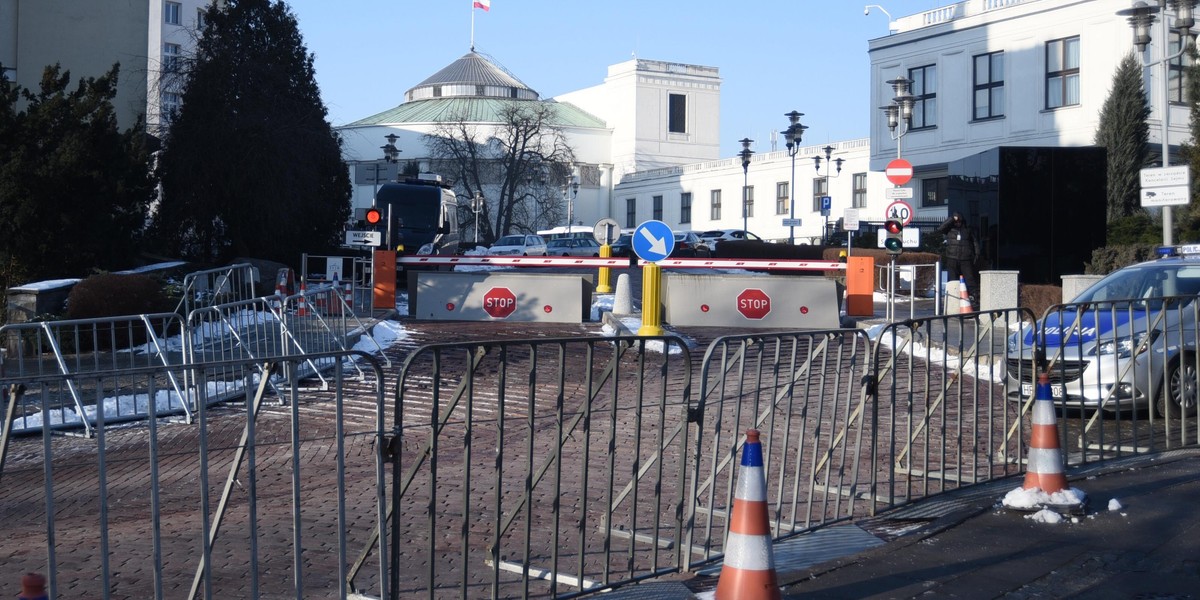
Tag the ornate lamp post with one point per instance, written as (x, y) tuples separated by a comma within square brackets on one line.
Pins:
[(390, 151), (745, 154), (571, 190), (793, 134), (1141, 17), (829, 162), (477, 207), (899, 112)]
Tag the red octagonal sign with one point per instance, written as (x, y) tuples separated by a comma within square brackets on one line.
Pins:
[(753, 303), (499, 302)]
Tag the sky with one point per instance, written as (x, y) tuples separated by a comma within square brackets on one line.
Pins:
[(774, 56)]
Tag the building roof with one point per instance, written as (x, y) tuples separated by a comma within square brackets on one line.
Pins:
[(471, 75), (475, 110)]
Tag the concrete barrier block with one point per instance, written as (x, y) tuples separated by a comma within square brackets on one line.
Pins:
[(543, 297), (776, 302)]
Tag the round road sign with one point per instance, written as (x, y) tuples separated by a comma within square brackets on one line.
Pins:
[(499, 302), (606, 231), (900, 211), (753, 303), (899, 171)]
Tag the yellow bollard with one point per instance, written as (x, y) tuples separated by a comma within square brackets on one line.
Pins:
[(651, 300), (604, 285)]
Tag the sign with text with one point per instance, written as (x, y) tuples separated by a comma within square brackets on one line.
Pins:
[(364, 238), (850, 219), (1166, 186), (899, 193)]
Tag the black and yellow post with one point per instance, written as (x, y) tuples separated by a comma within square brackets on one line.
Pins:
[(651, 300), (604, 285)]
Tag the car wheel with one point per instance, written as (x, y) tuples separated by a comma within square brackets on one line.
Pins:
[(565, 254), (1180, 391)]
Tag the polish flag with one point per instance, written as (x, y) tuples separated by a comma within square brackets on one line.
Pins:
[(486, 5)]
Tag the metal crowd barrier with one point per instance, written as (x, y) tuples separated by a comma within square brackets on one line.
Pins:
[(222, 285), (237, 505)]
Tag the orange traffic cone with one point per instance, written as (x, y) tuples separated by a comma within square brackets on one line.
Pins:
[(964, 299), (301, 306), (1045, 465), (349, 295), (33, 587), (749, 569)]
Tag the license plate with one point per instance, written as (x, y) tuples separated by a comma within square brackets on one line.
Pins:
[(1056, 390)]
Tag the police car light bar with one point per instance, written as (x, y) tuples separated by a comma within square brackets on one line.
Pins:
[(1181, 250)]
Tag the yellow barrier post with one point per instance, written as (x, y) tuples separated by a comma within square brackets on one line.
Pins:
[(651, 300), (604, 285)]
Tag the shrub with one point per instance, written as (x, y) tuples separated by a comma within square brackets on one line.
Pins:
[(1037, 298), (1110, 258), (111, 295)]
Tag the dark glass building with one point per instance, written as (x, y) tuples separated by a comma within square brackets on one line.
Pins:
[(1040, 211)]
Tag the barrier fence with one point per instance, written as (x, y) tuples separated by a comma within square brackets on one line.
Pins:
[(563, 467)]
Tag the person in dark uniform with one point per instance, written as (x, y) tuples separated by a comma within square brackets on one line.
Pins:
[(959, 254)]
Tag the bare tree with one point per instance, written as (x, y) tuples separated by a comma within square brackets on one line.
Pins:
[(520, 163)]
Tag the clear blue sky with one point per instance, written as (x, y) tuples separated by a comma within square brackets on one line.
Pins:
[(774, 56)]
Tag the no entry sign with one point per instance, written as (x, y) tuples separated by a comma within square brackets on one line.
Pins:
[(753, 303), (499, 302), (899, 171)]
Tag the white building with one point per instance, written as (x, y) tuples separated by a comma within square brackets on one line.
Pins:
[(147, 38)]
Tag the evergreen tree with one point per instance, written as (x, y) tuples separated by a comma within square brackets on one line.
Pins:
[(1123, 131), (251, 167), (74, 189), (1188, 219)]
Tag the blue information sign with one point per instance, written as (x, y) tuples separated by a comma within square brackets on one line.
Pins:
[(826, 204), (653, 241)]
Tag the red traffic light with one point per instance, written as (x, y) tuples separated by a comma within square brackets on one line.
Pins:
[(893, 226), (894, 243), (374, 217)]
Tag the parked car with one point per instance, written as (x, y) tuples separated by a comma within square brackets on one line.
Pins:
[(1128, 341), (689, 245), (623, 246), (519, 245), (712, 237), (573, 247)]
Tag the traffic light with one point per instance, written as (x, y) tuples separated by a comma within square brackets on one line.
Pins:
[(895, 237), (373, 216)]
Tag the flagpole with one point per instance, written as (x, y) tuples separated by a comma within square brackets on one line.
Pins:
[(472, 26)]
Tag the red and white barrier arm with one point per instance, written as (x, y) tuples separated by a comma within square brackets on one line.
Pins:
[(593, 262)]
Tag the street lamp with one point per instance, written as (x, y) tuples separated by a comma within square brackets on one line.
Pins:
[(390, 151), (899, 112), (477, 207), (829, 162), (571, 187), (745, 155), (793, 134), (1141, 16)]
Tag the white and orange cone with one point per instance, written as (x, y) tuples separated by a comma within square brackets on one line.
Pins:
[(301, 305), (964, 299), (1045, 465), (749, 569), (349, 295)]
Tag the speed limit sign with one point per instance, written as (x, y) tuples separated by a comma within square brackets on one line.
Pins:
[(899, 210)]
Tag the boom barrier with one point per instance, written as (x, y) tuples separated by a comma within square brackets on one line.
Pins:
[(590, 262)]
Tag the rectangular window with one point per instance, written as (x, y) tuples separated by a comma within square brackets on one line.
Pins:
[(748, 197), (924, 91), (172, 11), (714, 211), (860, 190), (676, 113), (631, 212), (200, 18), (989, 85), (1177, 78), (169, 106), (935, 191), (657, 216), (685, 207), (1062, 72), (820, 188), (781, 198), (170, 58)]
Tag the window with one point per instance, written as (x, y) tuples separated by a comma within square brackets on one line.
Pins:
[(1062, 72), (935, 191), (657, 208), (924, 86), (1176, 78), (714, 211), (781, 198), (170, 58), (676, 113), (685, 207), (170, 103), (820, 188), (631, 212), (989, 85), (748, 205), (860, 191), (172, 12), (200, 18)]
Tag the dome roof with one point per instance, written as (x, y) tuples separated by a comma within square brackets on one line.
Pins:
[(472, 75)]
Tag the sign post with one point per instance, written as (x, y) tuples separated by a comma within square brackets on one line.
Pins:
[(652, 241), (899, 171)]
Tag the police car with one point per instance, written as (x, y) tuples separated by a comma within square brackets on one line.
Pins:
[(1128, 341)]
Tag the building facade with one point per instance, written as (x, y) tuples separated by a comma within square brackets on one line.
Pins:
[(147, 38)]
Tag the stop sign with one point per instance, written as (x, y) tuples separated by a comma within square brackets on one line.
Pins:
[(499, 302), (753, 303), (899, 171)]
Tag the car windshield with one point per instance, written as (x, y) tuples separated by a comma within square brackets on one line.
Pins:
[(511, 240), (1154, 280)]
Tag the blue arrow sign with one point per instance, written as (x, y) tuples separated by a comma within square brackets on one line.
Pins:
[(653, 241)]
